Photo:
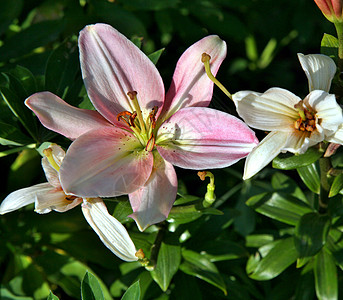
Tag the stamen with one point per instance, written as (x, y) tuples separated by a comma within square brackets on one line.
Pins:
[(300, 109), (151, 143), (132, 119), (123, 116), (205, 59), (48, 154), (133, 96), (152, 116)]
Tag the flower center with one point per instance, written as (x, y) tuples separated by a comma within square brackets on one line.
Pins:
[(307, 119), (142, 129)]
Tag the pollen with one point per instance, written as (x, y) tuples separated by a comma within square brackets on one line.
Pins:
[(306, 122)]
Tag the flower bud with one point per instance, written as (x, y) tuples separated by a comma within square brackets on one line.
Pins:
[(332, 9)]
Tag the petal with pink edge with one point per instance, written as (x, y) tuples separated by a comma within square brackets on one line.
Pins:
[(110, 231), (51, 174), (199, 138), (23, 197), (111, 67), (151, 203), (59, 116), (106, 162), (191, 86)]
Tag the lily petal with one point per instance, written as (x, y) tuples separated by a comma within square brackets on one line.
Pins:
[(190, 85), (111, 67), (23, 197), (110, 231), (298, 141), (327, 110), (265, 152), (105, 163), (51, 174), (56, 200), (319, 69), (337, 137), (151, 203), (198, 138), (271, 111), (59, 116)]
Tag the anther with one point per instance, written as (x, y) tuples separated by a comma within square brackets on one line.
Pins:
[(152, 116), (48, 154), (125, 116), (151, 143)]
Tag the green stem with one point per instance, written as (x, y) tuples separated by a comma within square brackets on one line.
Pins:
[(339, 30), (155, 248)]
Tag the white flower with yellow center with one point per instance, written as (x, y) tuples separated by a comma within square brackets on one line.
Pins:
[(294, 124)]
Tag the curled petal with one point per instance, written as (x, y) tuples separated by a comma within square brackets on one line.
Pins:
[(271, 111), (319, 69), (151, 203), (110, 231), (198, 138), (23, 197), (59, 116), (107, 162), (265, 152), (327, 110), (56, 200), (111, 67), (51, 174), (190, 85)]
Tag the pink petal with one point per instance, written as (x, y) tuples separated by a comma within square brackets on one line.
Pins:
[(112, 66), (151, 203), (198, 138), (106, 162), (51, 174), (59, 116), (191, 86)]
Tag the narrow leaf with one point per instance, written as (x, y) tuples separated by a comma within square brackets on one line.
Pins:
[(311, 233), (168, 261), (90, 288), (310, 176), (133, 292), (325, 274), (337, 185), (52, 297)]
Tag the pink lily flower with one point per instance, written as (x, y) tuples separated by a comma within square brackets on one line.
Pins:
[(129, 146)]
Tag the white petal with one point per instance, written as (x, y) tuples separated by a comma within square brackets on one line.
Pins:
[(319, 69), (51, 174), (23, 197), (337, 137), (110, 231), (56, 200), (265, 152), (298, 141), (328, 112), (272, 111)]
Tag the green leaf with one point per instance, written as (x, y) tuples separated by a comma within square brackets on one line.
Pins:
[(122, 210), (149, 4), (52, 297), (11, 135), (311, 233), (6, 294), (24, 80), (168, 261), (337, 185), (90, 288), (310, 176), (329, 45), (133, 292), (9, 11), (224, 250), (283, 208), (199, 266), (61, 70), (36, 35), (271, 259), (325, 274), (155, 56), (289, 161)]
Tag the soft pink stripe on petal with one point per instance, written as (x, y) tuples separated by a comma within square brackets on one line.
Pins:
[(191, 86), (59, 116), (265, 152), (23, 197), (112, 66), (110, 231), (199, 138), (151, 204), (106, 162)]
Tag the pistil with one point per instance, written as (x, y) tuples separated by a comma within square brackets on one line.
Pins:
[(205, 59)]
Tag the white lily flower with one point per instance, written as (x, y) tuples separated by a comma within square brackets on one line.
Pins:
[(295, 124), (50, 196)]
